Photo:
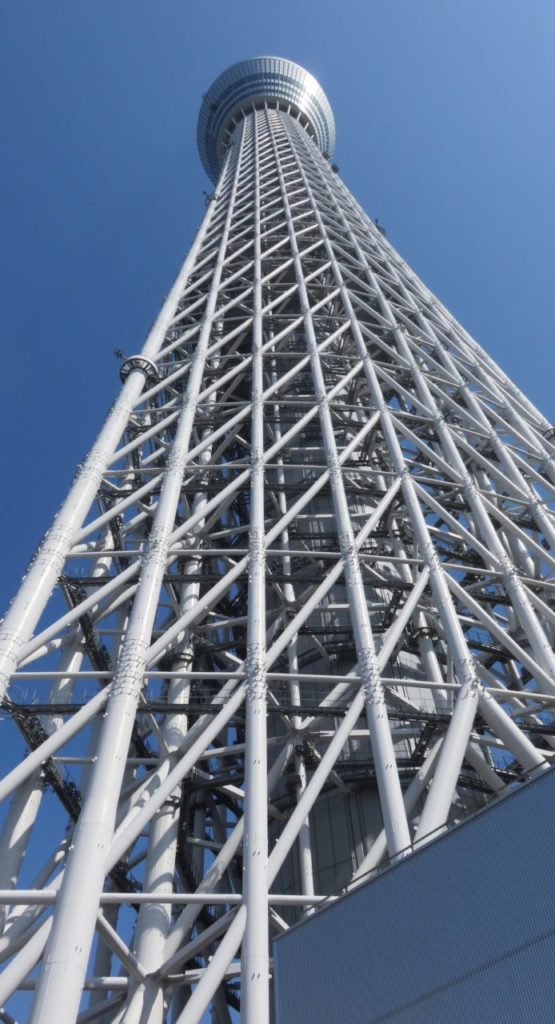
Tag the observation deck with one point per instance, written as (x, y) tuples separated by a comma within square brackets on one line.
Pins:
[(281, 84)]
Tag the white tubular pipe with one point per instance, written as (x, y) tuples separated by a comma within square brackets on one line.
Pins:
[(255, 957), (92, 984), (216, 871), (91, 604), (314, 787), (215, 972), (502, 451), (27, 798), (476, 760), (16, 832), (102, 963), (37, 757), (130, 830), (456, 740), (411, 797), (312, 791), (160, 646), (389, 786), (61, 981), (514, 739), (101, 1009), (537, 636), (22, 921), (487, 368), (196, 744), (29, 602), (47, 897), (23, 962), (305, 849), (128, 961), (210, 438), (515, 590), (154, 920)]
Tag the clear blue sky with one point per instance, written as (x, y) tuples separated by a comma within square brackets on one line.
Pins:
[(445, 123)]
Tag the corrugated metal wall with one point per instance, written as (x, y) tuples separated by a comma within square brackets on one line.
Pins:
[(461, 932)]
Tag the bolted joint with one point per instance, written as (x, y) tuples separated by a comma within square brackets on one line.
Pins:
[(149, 368), (424, 633)]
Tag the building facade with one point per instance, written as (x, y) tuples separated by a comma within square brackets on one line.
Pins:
[(463, 931)]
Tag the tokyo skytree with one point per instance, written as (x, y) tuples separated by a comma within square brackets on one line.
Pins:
[(294, 618)]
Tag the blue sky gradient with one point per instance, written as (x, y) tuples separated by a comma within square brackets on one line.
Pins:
[(444, 112)]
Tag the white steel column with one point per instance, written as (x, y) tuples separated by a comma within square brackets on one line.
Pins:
[(452, 755), (255, 1006), (64, 962), (395, 820), (47, 563)]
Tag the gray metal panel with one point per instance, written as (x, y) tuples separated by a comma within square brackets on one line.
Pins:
[(520, 989), (460, 931)]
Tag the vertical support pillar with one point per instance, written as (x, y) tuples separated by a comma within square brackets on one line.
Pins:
[(255, 1002), (61, 980), (389, 786), (45, 568)]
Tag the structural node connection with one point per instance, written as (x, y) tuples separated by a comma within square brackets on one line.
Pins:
[(295, 616)]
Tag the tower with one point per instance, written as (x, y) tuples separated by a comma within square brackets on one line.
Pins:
[(294, 617)]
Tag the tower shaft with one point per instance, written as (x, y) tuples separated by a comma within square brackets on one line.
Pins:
[(302, 614)]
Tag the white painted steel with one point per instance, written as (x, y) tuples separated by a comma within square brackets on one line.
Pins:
[(47, 563), (304, 611), (255, 950), (65, 958)]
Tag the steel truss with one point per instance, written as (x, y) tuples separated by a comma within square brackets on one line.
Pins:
[(309, 557)]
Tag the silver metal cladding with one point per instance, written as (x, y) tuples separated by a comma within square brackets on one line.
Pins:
[(275, 81)]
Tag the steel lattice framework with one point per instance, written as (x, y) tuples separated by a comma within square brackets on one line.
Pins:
[(305, 571)]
